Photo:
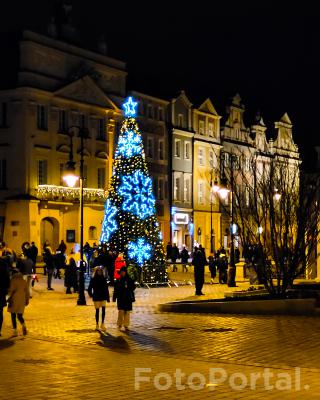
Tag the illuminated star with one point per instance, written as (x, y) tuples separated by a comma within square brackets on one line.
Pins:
[(130, 107)]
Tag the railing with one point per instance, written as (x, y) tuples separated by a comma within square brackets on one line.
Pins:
[(62, 193)]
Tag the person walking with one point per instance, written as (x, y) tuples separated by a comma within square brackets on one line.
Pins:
[(49, 263), (18, 299), (174, 256), (99, 292), (26, 268), (71, 276), (168, 250), (222, 265), (184, 255), (4, 286), (118, 264), (123, 294), (212, 267), (62, 247), (199, 262), (33, 255)]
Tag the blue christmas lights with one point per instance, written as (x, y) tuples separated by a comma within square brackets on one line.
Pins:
[(129, 144), (109, 224), (137, 193), (130, 107), (140, 251)]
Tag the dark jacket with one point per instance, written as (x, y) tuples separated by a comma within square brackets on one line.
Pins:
[(4, 282), (98, 288), (184, 256), (174, 253), (33, 250), (71, 275), (124, 293)]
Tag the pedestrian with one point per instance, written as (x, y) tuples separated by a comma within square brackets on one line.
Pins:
[(33, 255), (184, 255), (62, 247), (71, 276), (49, 263), (45, 245), (17, 301), (199, 262), (174, 256), (118, 264), (4, 286), (212, 267), (99, 292), (222, 265), (123, 294), (168, 249), (25, 266)]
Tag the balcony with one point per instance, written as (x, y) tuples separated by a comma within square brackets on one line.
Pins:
[(69, 194)]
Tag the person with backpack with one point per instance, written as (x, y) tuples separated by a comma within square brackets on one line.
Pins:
[(99, 292)]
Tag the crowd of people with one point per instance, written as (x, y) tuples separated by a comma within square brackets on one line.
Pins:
[(18, 275)]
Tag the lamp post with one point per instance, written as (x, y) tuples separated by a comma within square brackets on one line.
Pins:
[(214, 188), (71, 178)]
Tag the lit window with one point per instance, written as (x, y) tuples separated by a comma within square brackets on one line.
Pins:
[(92, 233), (212, 159), (177, 148), (201, 127), (201, 160), (186, 194), (201, 192), (210, 129), (176, 191), (187, 150)]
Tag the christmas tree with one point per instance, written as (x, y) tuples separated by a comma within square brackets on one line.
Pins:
[(130, 223)]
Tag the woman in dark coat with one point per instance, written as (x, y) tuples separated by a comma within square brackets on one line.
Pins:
[(124, 295), (4, 286), (99, 291), (71, 276)]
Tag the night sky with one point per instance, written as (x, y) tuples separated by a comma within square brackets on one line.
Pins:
[(270, 55)]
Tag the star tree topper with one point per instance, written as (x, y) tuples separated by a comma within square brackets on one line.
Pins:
[(130, 107)]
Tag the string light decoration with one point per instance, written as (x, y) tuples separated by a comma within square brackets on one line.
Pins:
[(130, 205), (139, 251), (137, 193), (109, 224)]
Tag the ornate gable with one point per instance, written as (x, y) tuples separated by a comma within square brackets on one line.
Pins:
[(207, 107), (284, 138), (86, 91)]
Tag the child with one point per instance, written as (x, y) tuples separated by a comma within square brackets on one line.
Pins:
[(124, 295), (98, 290)]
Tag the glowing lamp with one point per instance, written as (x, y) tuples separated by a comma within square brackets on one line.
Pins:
[(260, 230), (215, 186), (70, 177), (223, 193), (277, 195)]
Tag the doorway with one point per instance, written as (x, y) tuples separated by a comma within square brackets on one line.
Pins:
[(49, 230)]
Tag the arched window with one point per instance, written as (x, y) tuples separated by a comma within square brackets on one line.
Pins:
[(92, 233)]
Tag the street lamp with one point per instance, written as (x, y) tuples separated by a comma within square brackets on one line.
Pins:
[(277, 195), (214, 189), (71, 179)]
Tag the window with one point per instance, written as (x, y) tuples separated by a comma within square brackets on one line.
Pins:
[(150, 111), (210, 129), (160, 189), (226, 160), (161, 150), (236, 162), (247, 164), (201, 156), (42, 172), (150, 148), (160, 114), (101, 131), (201, 192), (3, 174), (212, 159), (42, 117), (247, 196), (180, 120), (176, 191), (187, 150), (63, 121), (92, 233), (3, 116), (101, 178), (177, 148), (201, 127), (186, 189)]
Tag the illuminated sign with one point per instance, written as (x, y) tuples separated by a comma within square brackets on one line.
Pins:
[(181, 218)]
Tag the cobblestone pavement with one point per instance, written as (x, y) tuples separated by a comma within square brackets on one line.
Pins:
[(64, 357)]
